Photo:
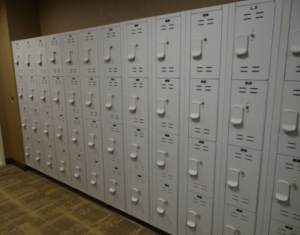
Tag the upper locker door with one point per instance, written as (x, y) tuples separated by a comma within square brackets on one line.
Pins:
[(112, 51), (206, 44), (70, 54), (137, 49), (253, 41), (28, 57), (40, 57), (54, 55), (277, 228), (168, 47), (18, 57)]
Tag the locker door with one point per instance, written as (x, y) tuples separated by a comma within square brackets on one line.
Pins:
[(167, 106), (238, 221), (78, 172), (50, 159), (248, 106), (73, 96), (138, 102), (54, 55), (277, 228), (28, 57), (199, 214), (28, 151), (70, 54), (167, 158), (18, 57), (113, 101), (286, 205), (90, 53), (92, 98), (61, 131), (166, 207), (114, 145), (253, 41), (112, 51), (58, 95), (25, 121), (243, 171), (293, 56), (40, 57), (76, 135), (95, 178), (201, 167), (47, 128), (44, 93), (63, 166), (140, 196), (203, 109), (31, 90), (137, 49), (139, 151), (21, 89), (206, 44), (289, 138), (115, 187), (36, 129), (168, 47), (38, 152), (94, 140)]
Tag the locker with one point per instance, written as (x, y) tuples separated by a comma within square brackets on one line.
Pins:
[(50, 160), (115, 187), (44, 93), (35, 120), (76, 135), (21, 89), (289, 138), (25, 121), (17, 49), (73, 96), (248, 106), (95, 178), (91, 98), (94, 140), (137, 49), (28, 57), (253, 41), (199, 214), (166, 207), (78, 172), (168, 47), (47, 128), (90, 53), (167, 106), (139, 151), (278, 228), (203, 109), (112, 51), (58, 95), (293, 56), (63, 166), (40, 56), (140, 196), (31, 90), (138, 102), (39, 157), (243, 172), (60, 131), (205, 44), (28, 151), (201, 167), (113, 102), (114, 145), (54, 55), (167, 158), (286, 205), (238, 221), (70, 54)]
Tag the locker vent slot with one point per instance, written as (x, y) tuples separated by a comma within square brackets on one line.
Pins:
[(167, 69), (289, 166), (89, 38), (54, 42), (112, 69), (137, 69), (296, 92), (70, 40), (252, 69), (297, 69), (138, 120), (291, 145), (167, 27)]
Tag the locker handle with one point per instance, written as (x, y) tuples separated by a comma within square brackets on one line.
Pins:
[(91, 142), (94, 181), (161, 53), (195, 110), (133, 103), (43, 97), (290, 120), (71, 100), (49, 163), (52, 59), (86, 57), (37, 158), (31, 95), (39, 62), (27, 62), (46, 130), (161, 106), (34, 127), (112, 187), (233, 178), (241, 46), (196, 48), (74, 138), (69, 57), (282, 191), (89, 102), (77, 174), (21, 92), (161, 205), (131, 52), (229, 230), (161, 158), (111, 149), (24, 124), (295, 44), (106, 57), (26, 154), (62, 169), (237, 114), (192, 219), (135, 195), (109, 99), (134, 151), (193, 167), (59, 135), (17, 60), (56, 99)]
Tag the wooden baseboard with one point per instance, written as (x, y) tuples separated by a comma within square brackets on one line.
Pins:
[(16, 163)]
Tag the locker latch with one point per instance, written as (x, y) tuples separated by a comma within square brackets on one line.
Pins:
[(69, 57), (107, 53), (111, 145), (161, 158), (131, 52), (24, 123), (161, 106), (58, 135), (49, 163), (94, 177), (229, 230), (21, 92), (241, 46), (237, 114), (91, 142), (191, 219), (27, 152), (295, 43), (31, 94), (161, 50), (196, 48), (290, 120), (52, 59), (89, 102), (193, 167), (39, 62), (195, 110), (46, 130), (74, 138), (134, 151), (233, 177), (86, 56), (109, 101), (113, 185), (34, 125), (37, 158), (17, 60), (282, 191), (43, 96), (135, 195), (133, 103), (161, 205), (76, 174), (27, 62), (62, 169), (56, 99), (71, 100)]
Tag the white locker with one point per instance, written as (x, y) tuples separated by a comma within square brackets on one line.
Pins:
[(28, 57), (253, 41), (47, 128), (70, 54), (199, 214), (25, 121), (58, 95), (50, 160), (112, 51), (140, 196), (94, 140), (91, 98), (248, 107), (166, 207), (73, 96), (168, 47), (115, 187), (205, 44), (17, 49), (28, 151), (39, 157), (289, 138), (114, 145), (203, 116), (40, 56), (167, 105), (60, 131), (21, 90), (76, 135), (78, 172), (286, 205), (167, 158), (90, 53), (35, 120), (293, 56), (139, 151), (95, 178), (63, 166), (31, 90), (113, 102), (54, 55), (278, 228), (238, 221), (243, 172), (137, 49), (44, 93), (201, 167), (138, 102)]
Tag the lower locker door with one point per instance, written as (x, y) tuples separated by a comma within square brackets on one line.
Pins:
[(50, 160), (78, 172), (28, 151), (95, 178), (63, 166), (38, 152), (115, 188), (278, 228)]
